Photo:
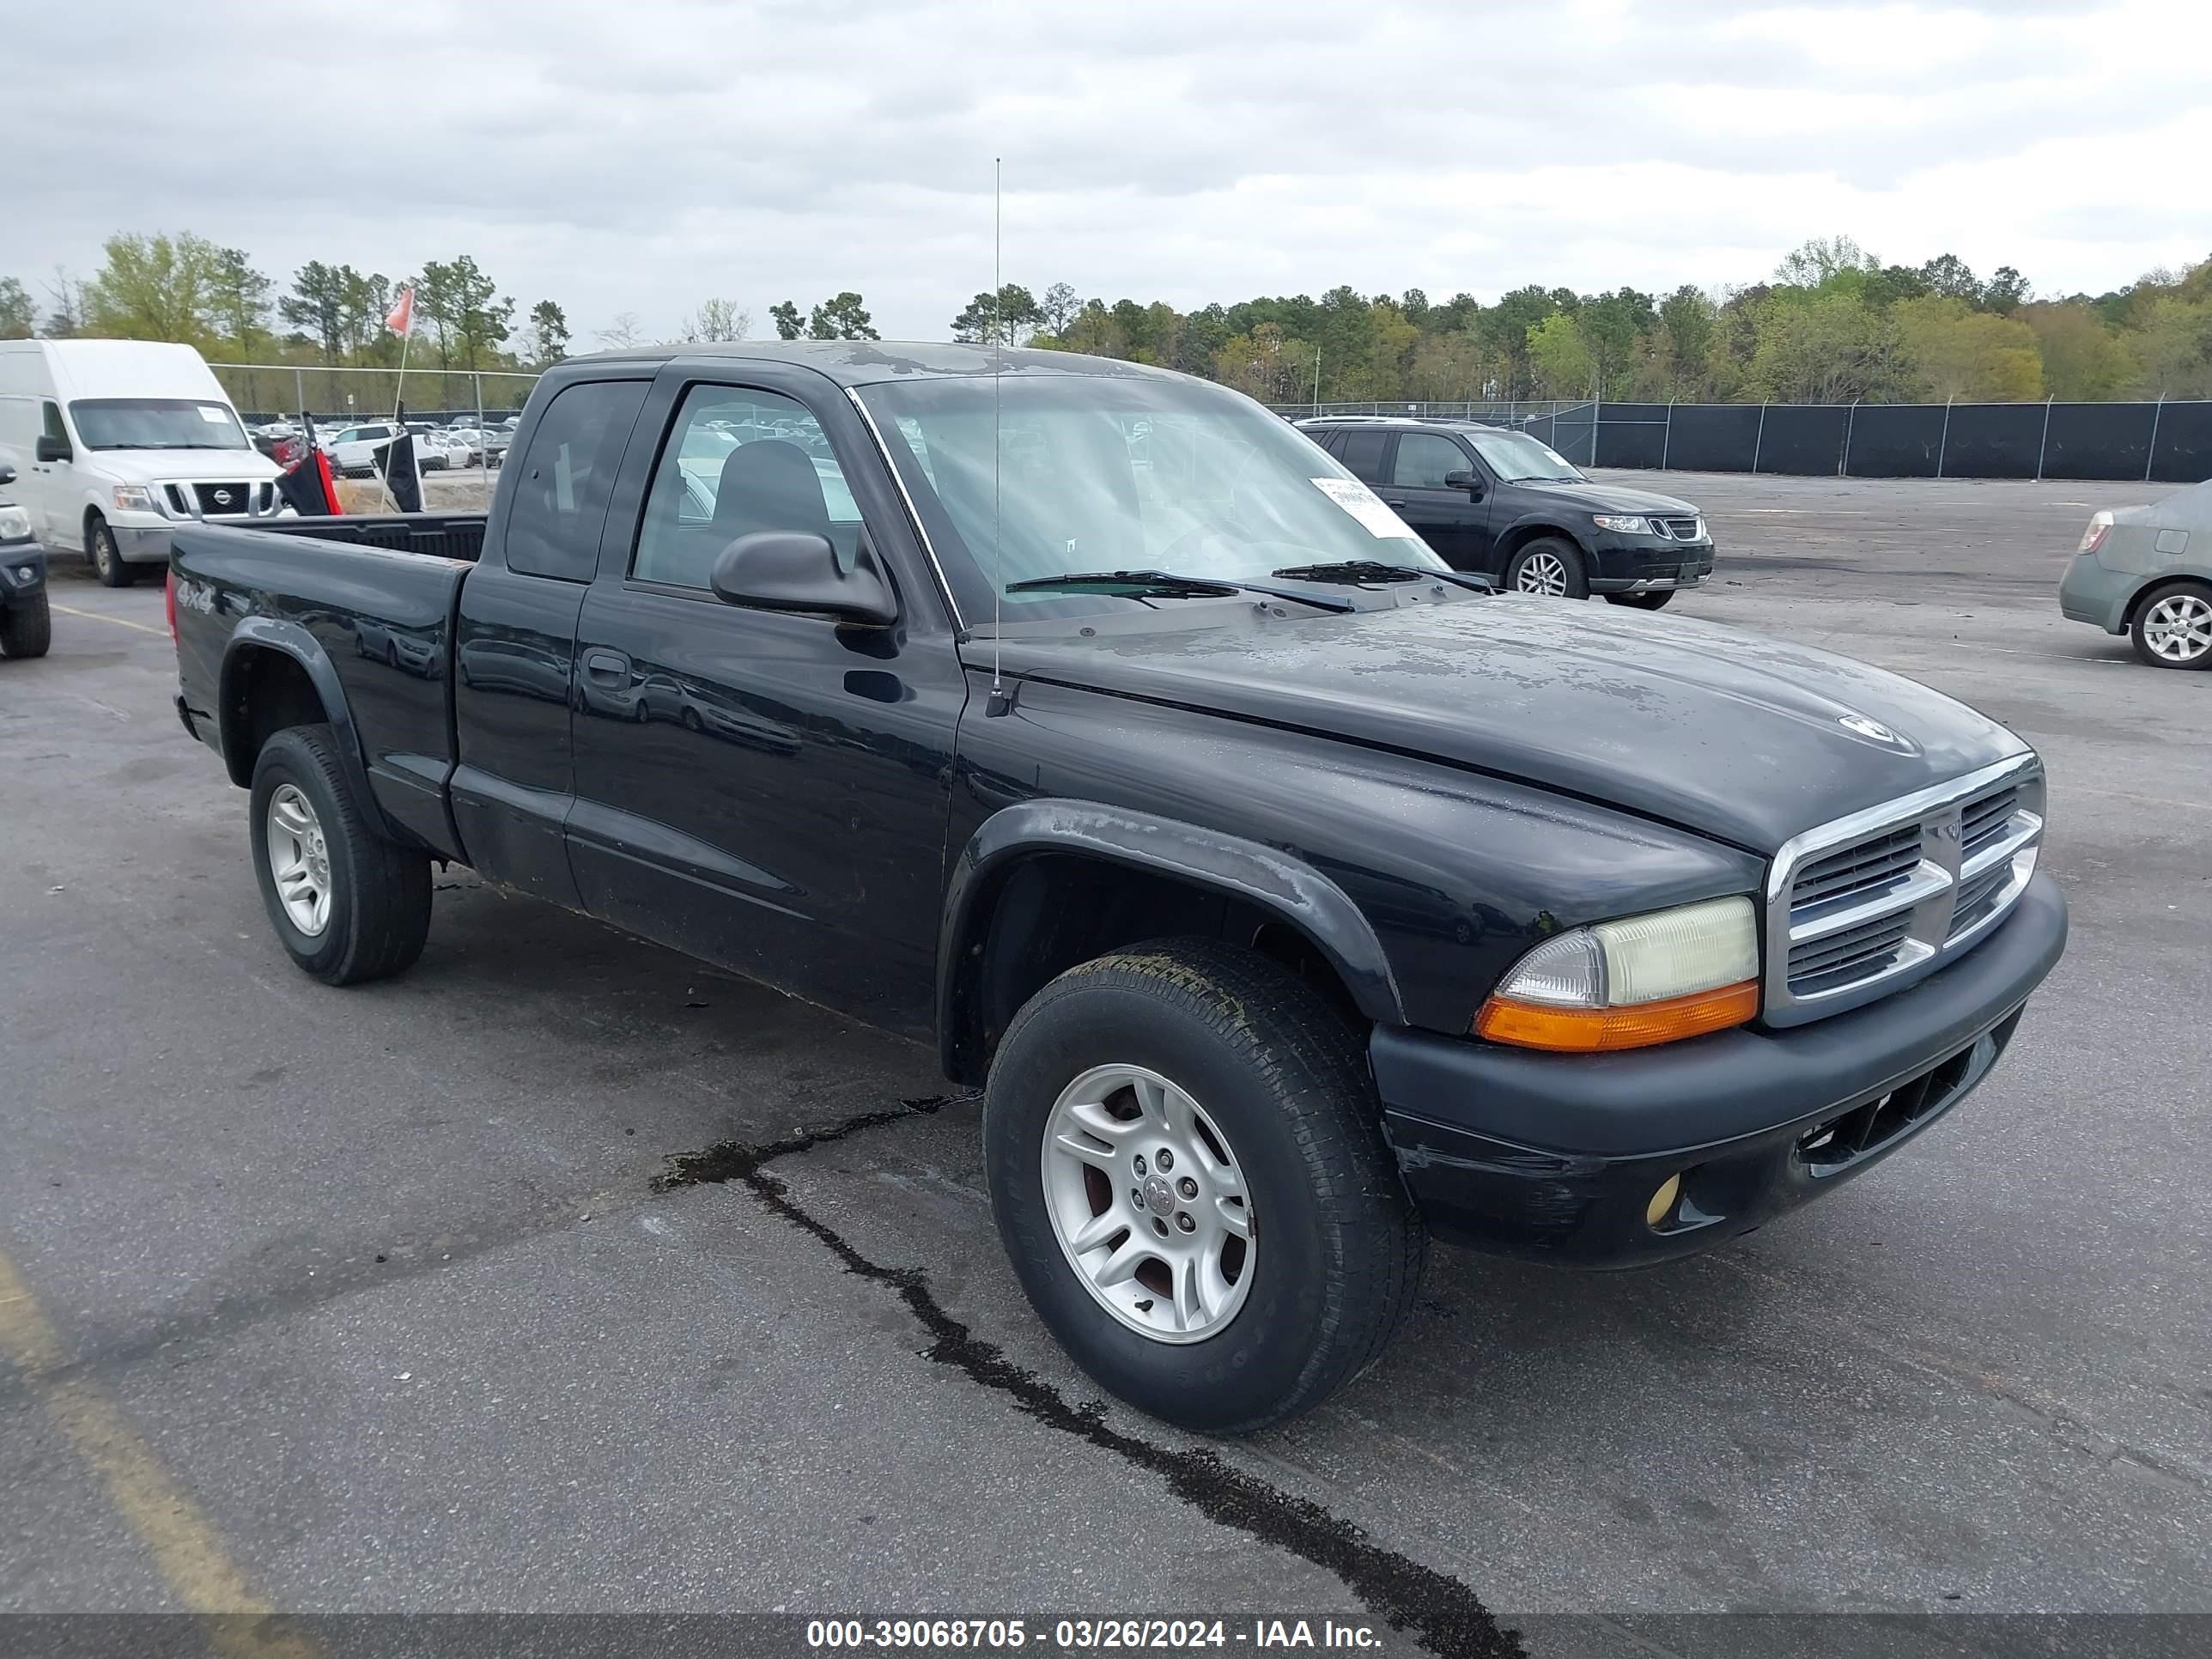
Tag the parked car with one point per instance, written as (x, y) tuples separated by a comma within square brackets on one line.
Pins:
[(1290, 895), (116, 443), (352, 449), (25, 618), (2147, 571), (466, 442), (1501, 503)]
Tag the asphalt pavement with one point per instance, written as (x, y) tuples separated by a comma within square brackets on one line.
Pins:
[(382, 1300)]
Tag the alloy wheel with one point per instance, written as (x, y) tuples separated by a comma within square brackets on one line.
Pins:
[(298, 860), (1149, 1204), (1542, 573), (2178, 628)]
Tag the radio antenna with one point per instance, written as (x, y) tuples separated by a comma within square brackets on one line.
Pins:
[(997, 315)]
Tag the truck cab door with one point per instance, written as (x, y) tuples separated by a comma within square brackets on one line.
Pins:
[(765, 790), (515, 650), (49, 488)]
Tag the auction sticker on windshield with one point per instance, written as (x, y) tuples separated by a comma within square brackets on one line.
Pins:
[(1365, 505)]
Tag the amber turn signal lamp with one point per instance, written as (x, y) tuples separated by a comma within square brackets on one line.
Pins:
[(1597, 1031)]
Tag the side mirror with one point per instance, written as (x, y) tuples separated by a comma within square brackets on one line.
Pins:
[(51, 448), (791, 570), (1465, 480)]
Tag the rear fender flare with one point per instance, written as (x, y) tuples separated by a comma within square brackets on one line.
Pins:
[(288, 639)]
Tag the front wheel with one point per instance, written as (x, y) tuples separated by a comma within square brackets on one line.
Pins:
[(1186, 1161), (1656, 600), (347, 905), (1549, 565), (27, 627), (2173, 626), (107, 561)]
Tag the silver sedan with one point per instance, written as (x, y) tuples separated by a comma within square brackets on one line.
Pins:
[(2147, 571)]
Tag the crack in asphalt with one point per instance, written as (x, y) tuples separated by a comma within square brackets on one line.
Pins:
[(1441, 1613)]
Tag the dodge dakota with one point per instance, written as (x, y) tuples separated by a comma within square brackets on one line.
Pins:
[(1291, 898)]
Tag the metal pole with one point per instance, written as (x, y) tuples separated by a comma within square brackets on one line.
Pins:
[(1316, 380), (1844, 461), (2151, 454), (1596, 403), (300, 389), (486, 436), (1758, 441), (2044, 444), (1666, 438), (1943, 443)]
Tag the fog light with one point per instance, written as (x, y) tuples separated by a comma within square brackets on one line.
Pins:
[(1662, 1201)]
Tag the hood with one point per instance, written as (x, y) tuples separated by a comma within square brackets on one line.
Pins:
[(1728, 733), (157, 465), (1594, 497)]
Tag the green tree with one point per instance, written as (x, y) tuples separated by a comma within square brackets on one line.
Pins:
[(239, 301), (19, 315), (843, 317), (1817, 261), (549, 334), (785, 315), (1058, 305), (1955, 352), (2174, 349), (1012, 316), (1613, 325), (464, 307), (316, 306), (154, 287), (2006, 292), (1952, 278), (1687, 323), (2083, 356), (1824, 348), (1560, 359)]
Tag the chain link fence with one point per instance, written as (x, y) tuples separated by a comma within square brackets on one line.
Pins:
[(271, 392), (2160, 443)]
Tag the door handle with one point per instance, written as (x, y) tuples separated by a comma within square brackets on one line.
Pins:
[(606, 665), (1393, 501)]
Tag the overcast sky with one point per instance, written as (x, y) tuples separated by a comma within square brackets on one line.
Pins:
[(645, 155)]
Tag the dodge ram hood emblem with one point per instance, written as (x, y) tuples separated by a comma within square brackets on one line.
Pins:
[(1873, 730)]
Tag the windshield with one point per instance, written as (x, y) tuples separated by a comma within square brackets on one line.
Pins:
[(1100, 473), (157, 423), (1514, 455)]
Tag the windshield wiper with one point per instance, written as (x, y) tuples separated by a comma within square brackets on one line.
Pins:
[(1374, 570), (1163, 585)]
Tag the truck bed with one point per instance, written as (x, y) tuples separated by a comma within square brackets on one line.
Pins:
[(363, 607)]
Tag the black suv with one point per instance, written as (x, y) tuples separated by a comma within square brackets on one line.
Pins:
[(1499, 502)]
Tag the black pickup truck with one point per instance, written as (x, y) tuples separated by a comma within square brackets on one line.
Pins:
[(1291, 896)]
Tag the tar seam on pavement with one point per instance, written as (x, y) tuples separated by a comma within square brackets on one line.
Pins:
[(1440, 1611)]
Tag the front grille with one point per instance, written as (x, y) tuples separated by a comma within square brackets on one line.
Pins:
[(1680, 529), (1867, 905), (221, 498)]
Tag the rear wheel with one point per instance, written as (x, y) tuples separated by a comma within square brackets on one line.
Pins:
[(347, 904), (2173, 626), (27, 627), (1654, 600), (1549, 565), (108, 561), (1186, 1160)]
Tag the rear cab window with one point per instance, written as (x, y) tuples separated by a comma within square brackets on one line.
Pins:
[(564, 481)]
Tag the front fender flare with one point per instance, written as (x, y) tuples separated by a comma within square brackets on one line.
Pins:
[(287, 639), (1276, 881)]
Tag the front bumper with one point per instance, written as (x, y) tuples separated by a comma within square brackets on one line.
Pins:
[(23, 570), (2088, 593), (139, 545), (1647, 564), (1554, 1158)]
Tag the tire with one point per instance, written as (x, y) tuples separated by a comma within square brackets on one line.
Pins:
[(27, 627), (108, 561), (1549, 565), (376, 894), (2173, 626), (1335, 1248), (1657, 599)]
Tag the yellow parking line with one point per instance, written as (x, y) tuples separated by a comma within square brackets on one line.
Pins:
[(185, 1546), (120, 622)]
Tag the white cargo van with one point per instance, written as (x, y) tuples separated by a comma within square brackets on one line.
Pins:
[(114, 441)]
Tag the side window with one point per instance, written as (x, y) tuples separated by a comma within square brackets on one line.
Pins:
[(1363, 453), (736, 462), (561, 488), (54, 429), (1423, 458)]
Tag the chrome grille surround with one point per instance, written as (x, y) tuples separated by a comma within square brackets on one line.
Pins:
[(1836, 894)]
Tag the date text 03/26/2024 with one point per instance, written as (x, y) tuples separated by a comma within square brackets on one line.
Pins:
[(1086, 1634)]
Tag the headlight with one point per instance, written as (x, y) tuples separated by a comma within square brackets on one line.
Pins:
[(14, 525), (1630, 524), (134, 498), (1628, 984)]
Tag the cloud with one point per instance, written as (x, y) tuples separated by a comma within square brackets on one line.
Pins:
[(644, 157)]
